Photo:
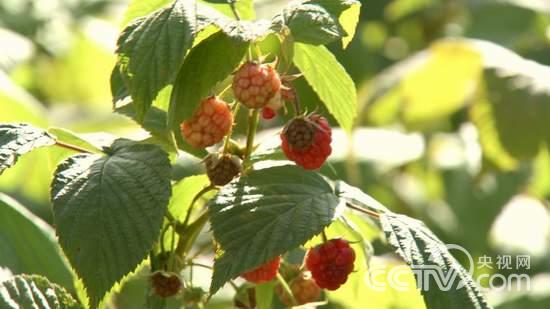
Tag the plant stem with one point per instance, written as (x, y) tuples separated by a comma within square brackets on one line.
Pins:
[(324, 235), (251, 133), (72, 147), (228, 137), (232, 4), (364, 210), (287, 289), (195, 199)]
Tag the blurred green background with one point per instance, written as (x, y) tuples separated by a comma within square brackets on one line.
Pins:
[(453, 128)]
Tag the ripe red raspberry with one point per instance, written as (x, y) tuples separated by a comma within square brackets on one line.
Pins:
[(165, 284), (210, 123), (221, 169), (304, 289), (264, 273), (306, 141), (268, 113), (331, 263), (254, 84)]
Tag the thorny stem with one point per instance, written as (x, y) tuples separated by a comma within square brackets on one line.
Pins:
[(287, 289), (364, 210), (71, 147)]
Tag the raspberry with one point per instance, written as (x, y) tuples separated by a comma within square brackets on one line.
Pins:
[(268, 113), (264, 273), (210, 123), (331, 263), (303, 288), (221, 169), (254, 84), (165, 284), (306, 141)]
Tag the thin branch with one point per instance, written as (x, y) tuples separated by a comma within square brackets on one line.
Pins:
[(72, 147), (364, 210)]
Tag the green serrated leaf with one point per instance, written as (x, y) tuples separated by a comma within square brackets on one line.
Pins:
[(32, 291), (18, 139), (347, 12), (309, 23), (422, 250), (108, 211), (151, 50), (265, 214), (329, 80), (207, 64), (24, 235), (139, 8)]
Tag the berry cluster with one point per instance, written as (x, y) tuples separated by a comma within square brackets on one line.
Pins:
[(255, 85), (210, 123), (306, 141), (263, 273), (331, 263)]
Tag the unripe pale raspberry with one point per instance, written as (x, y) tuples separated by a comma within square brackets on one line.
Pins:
[(221, 169), (254, 84), (210, 123), (304, 289), (306, 141), (331, 263), (165, 284), (265, 272)]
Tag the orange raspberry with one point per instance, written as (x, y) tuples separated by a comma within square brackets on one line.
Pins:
[(254, 84), (210, 123)]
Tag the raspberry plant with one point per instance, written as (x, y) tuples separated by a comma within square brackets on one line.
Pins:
[(185, 73)]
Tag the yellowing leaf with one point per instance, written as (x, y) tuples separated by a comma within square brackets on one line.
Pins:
[(443, 84)]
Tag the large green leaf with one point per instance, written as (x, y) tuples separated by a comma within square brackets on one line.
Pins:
[(151, 50), (139, 8), (265, 214), (108, 211), (451, 286), (309, 23), (209, 63), (32, 291), (23, 236), (18, 139), (329, 80), (347, 12)]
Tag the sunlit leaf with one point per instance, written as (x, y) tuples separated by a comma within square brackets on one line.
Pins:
[(329, 80)]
